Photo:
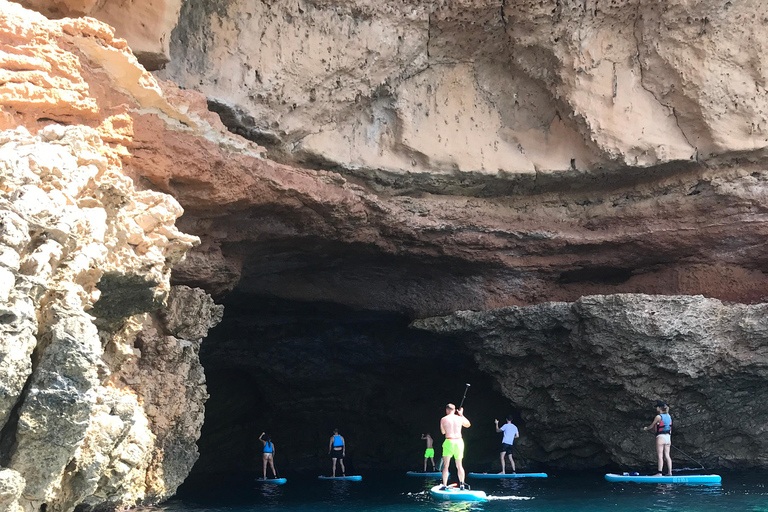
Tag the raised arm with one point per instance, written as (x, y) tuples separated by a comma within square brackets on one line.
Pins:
[(261, 438), (464, 421), (497, 426)]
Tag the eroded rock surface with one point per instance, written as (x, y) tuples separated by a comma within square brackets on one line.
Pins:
[(487, 86), (82, 422), (146, 25), (102, 389), (586, 374), (482, 153)]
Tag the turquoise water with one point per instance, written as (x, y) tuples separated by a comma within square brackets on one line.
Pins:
[(386, 492)]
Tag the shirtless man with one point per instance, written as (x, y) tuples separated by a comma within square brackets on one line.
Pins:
[(453, 446), (429, 453)]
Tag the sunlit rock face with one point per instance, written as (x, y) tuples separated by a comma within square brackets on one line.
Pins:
[(102, 388), (483, 86), (477, 154), (397, 161), (586, 375), (145, 25)]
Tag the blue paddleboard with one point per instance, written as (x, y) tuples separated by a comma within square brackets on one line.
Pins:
[(276, 481), (353, 478), (453, 493), (679, 479), (429, 474), (508, 475)]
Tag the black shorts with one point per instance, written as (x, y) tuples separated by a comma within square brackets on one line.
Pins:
[(337, 453), (506, 448)]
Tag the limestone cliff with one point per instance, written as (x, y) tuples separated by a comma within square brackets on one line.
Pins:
[(102, 389), (403, 159), (494, 87), (146, 25), (513, 152)]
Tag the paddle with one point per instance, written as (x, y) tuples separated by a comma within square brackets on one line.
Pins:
[(463, 398)]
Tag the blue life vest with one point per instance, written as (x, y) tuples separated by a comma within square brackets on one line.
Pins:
[(268, 447), (337, 442), (664, 426)]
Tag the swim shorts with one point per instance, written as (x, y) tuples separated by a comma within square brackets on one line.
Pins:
[(506, 448), (429, 452), (453, 448), (337, 453), (666, 437)]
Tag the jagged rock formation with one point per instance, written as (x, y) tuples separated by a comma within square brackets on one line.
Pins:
[(102, 389), (404, 159), (509, 152), (586, 374), (92, 417), (145, 25), (638, 216), (517, 87)]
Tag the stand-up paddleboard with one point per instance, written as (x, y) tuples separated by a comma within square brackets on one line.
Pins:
[(508, 475), (453, 493), (275, 481), (675, 479), (429, 474), (352, 478)]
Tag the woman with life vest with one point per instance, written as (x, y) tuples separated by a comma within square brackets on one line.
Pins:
[(337, 449), (662, 427), (268, 454)]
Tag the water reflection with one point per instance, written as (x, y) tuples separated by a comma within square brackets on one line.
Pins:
[(447, 506), (511, 485), (429, 483), (340, 490), (271, 493)]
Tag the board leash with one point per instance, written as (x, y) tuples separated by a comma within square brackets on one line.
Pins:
[(694, 460)]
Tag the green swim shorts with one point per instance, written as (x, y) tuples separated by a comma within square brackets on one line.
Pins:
[(453, 448), (429, 452)]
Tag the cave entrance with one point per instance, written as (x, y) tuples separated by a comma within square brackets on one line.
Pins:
[(299, 369)]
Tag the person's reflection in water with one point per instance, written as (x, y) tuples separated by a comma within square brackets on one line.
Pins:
[(271, 493), (340, 490)]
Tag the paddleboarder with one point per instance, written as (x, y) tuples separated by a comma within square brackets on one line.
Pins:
[(453, 446), (267, 454), (337, 449), (662, 426), (510, 434), (429, 453)]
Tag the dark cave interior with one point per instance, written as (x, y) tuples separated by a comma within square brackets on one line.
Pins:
[(299, 369)]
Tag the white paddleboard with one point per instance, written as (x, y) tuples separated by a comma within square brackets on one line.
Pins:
[(453, 493)]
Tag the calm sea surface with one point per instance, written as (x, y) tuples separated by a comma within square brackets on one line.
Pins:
[(387, 492)]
